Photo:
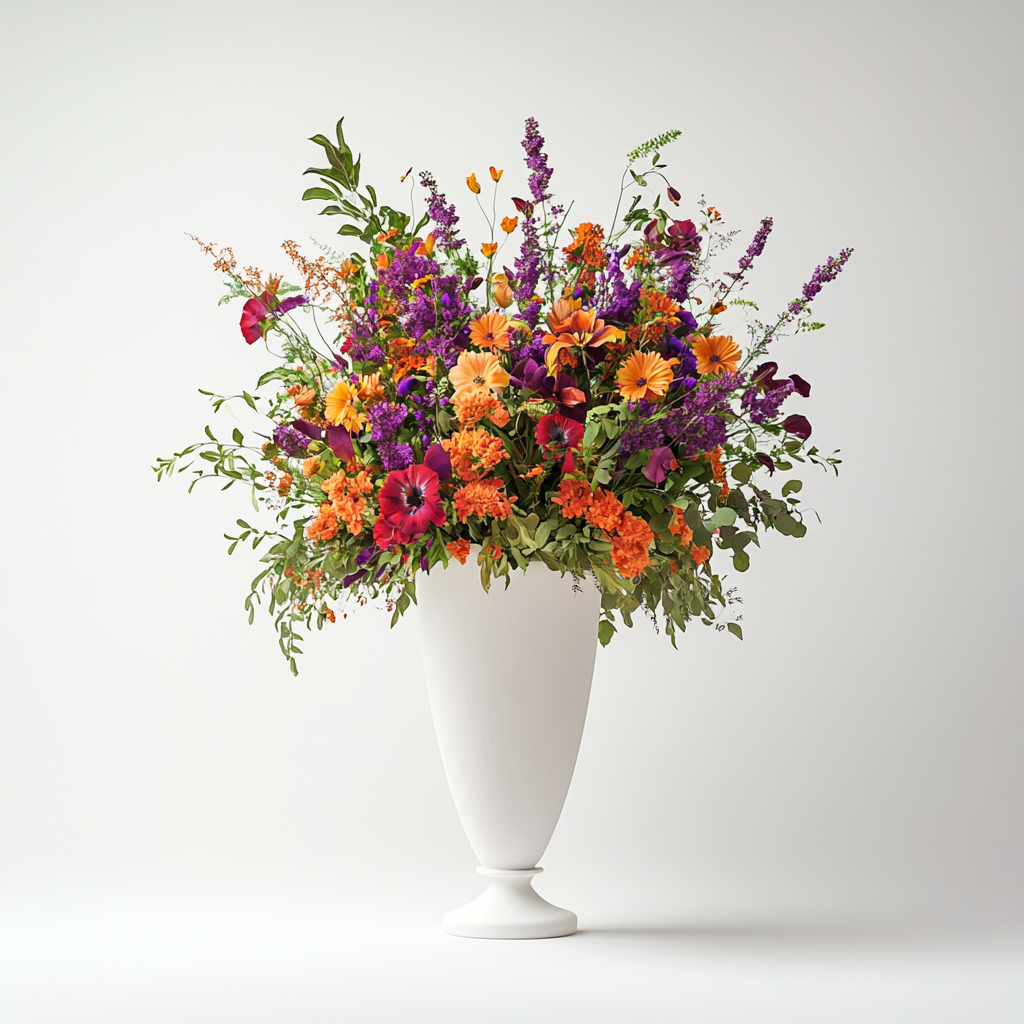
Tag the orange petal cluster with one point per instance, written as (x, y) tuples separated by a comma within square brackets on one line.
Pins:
[(476, 404), (630, 545), (474, 453), (324, 526), (490, 330), (699, 553), (459, 549), (680, 529), (346, 497), (574, 496), (482, 498), (606, 511)]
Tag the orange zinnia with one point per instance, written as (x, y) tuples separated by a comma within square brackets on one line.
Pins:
[(478, 369), (489, 330), (715, 355), (644, 375)]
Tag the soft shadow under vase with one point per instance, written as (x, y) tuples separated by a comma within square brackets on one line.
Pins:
[(509, 674)]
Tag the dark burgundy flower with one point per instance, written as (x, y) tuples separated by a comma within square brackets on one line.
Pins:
[(766, 460), (528, 375), (674, 195), (311, 430), (658, 465), (340, 441), (525, 208), (436, 458), (410, 502), (798, 425), (559, 431), (800, 386)]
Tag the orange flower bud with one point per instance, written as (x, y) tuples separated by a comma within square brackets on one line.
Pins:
[(383, 262), (474, 185), (496, 175), (508, 224), (489, 249), (718, 307), (426, 248), (502, 292)]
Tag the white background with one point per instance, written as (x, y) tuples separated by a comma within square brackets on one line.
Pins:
[(822, 823)]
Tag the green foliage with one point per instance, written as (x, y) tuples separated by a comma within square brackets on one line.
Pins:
[(652, 146)]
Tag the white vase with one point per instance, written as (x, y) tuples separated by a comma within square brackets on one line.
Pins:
[(508, 673)]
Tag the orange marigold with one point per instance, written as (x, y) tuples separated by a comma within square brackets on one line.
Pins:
[(630, 545), (476, 404), (459, 549), (324, 526), (699, 553), (482, 498), (575, 497), (606, 511), (346, 496), (474, 453)]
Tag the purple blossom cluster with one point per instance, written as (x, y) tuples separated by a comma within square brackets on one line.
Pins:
[(537, 161), (405, 268), (822, 275), (367, 352), (756, 247), (640, 436), (444, 217), (697, 423), (289, 440), (616, 299), (385, 419), (394, 455), (528, 271), (763, 407)]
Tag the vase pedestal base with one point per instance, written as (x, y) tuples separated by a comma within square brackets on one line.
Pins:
[(509, 909)]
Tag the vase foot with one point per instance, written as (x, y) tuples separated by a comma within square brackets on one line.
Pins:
[(509, 909)]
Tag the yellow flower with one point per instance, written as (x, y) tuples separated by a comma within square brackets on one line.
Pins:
[(496, 175), (644, 375), (370, 389), (477, 369), (474, 185), (340, 410), (715, 355)]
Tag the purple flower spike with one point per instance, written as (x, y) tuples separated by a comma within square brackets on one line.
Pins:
[(658, 465)]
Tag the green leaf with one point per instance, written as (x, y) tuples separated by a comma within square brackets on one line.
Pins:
[(741, 473), (249, 400), (791, 487), (236, 436), (319, 193), (741, 561), (735, 628), (349, 229), (605, 632), (723, 516)]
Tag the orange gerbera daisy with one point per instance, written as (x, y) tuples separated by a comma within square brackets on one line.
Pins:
[(459, 549), (489, 331), (715, 355), (575, 497), (340, 410), (644, 375), (370, 388), (482, 498), (478, 369)]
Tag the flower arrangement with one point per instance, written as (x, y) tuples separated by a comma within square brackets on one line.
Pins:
[(580, 407)]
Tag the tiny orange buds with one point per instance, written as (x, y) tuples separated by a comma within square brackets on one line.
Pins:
[(489, 249), (474, 185), (508, 224), (496, 175), (329, 615), (718, 307)]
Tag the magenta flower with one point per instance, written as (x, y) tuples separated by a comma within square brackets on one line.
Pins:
[(410, 502), (254, 312), (558, 431), (658, 465)]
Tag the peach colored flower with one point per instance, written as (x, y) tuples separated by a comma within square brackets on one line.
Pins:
[(501, 291), (310, 467), (508, 224), (340, 410), (477, 369), (370, 389)]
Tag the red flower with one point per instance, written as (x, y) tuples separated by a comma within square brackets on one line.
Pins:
[(409, 502), (254, 312), (559, 431)]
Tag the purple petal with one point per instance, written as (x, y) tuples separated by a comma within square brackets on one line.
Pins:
[(766, 460), (436, 458), (800, 386), (340, 441), (659, 464), (309, 429), (798, 425)]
